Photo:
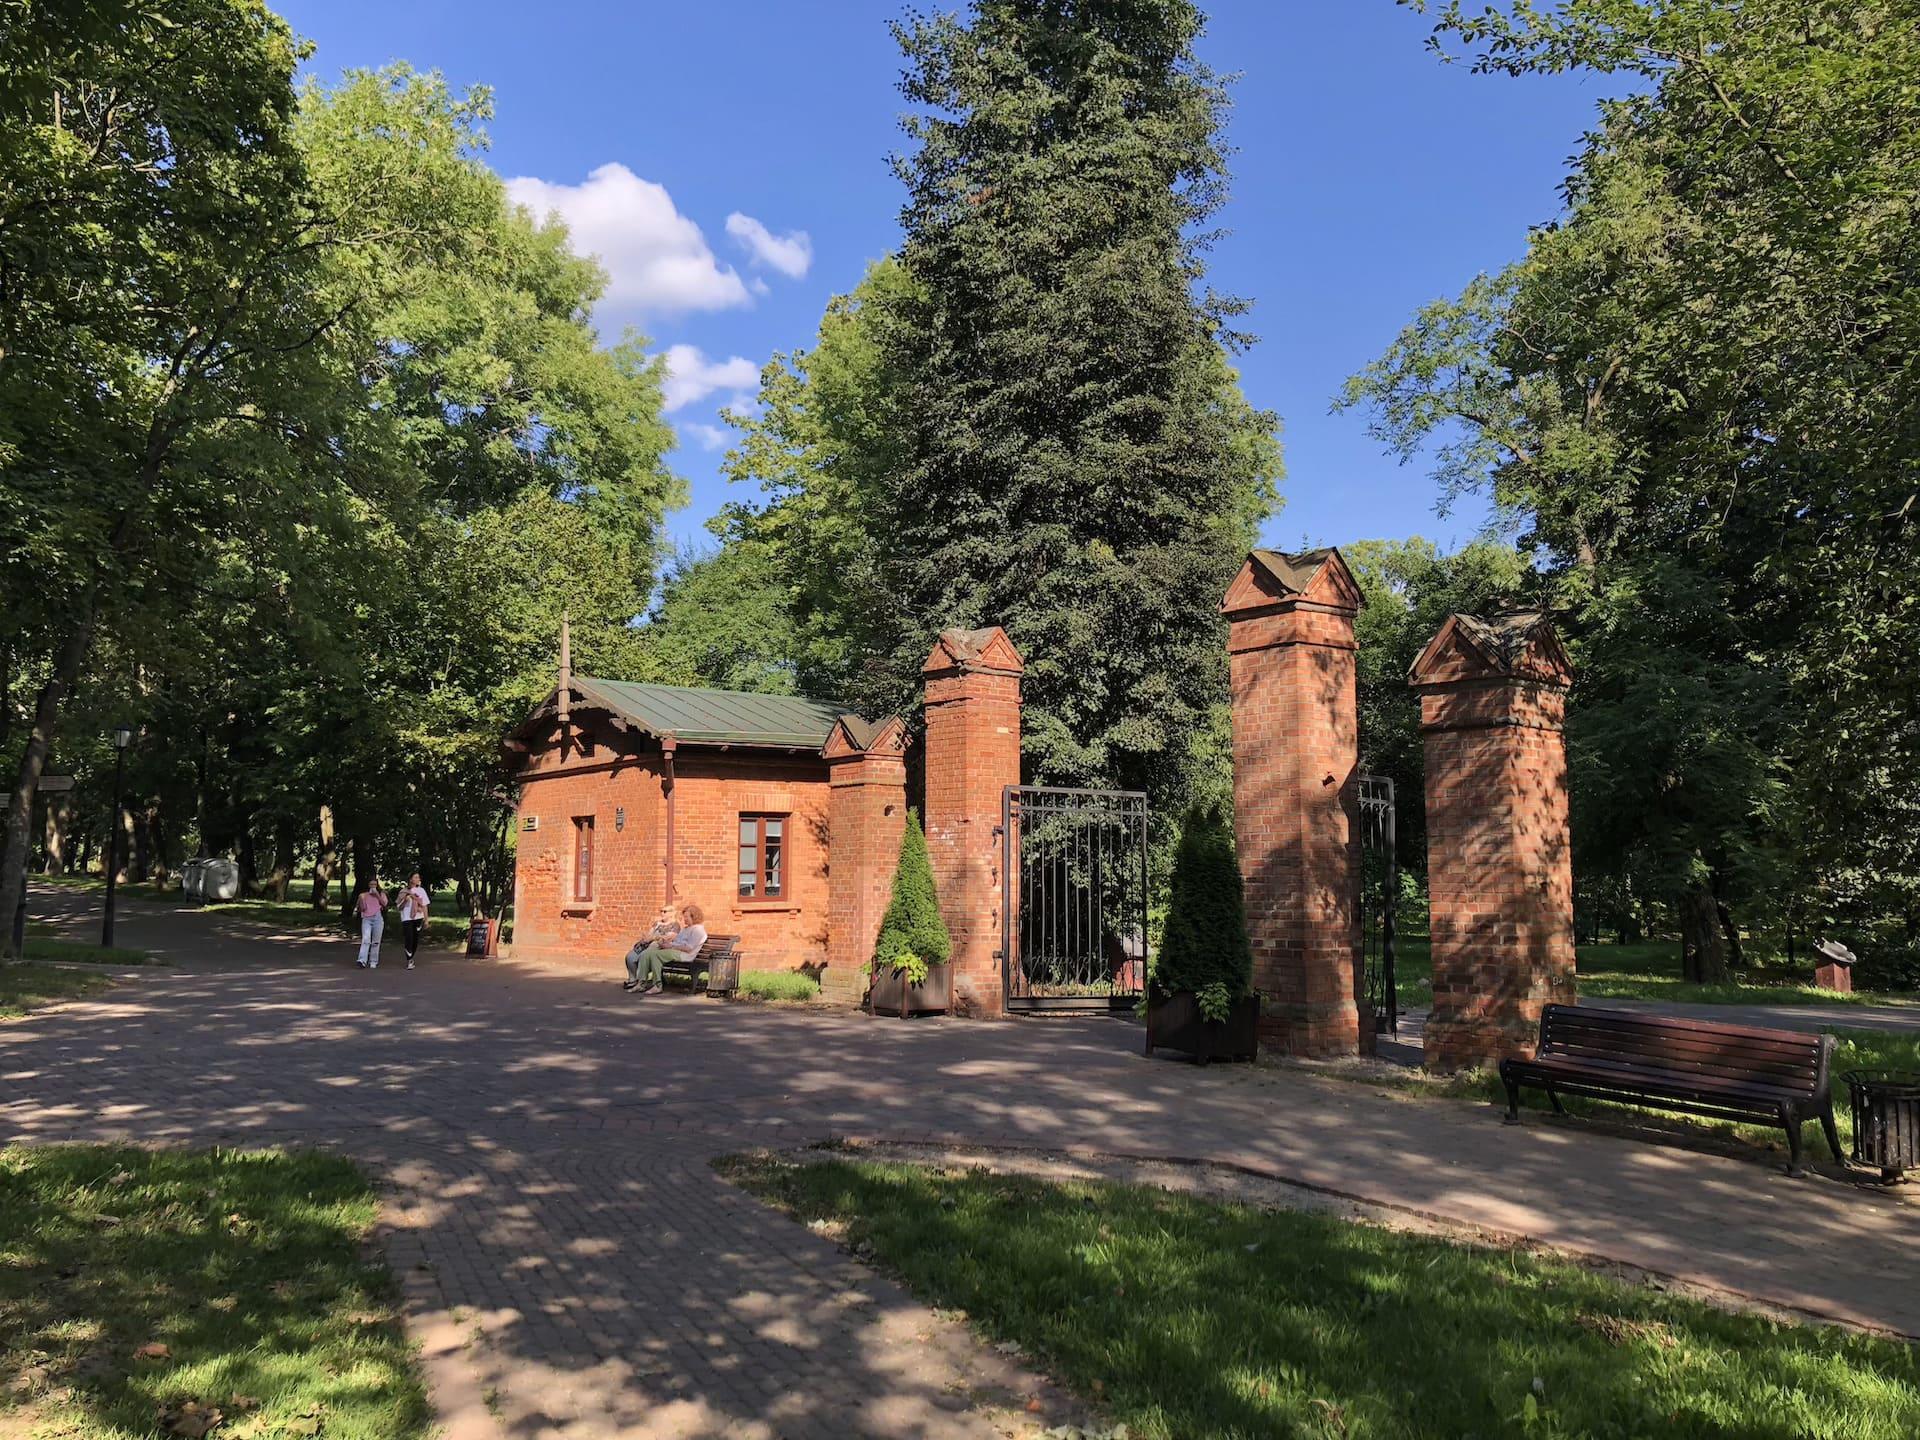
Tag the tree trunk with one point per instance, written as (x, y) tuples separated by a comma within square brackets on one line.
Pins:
[(123, 845), (1736, 957), (33, 764), (283, 851), (142, 847), (358, 849), (324, 858), (1705, 960), (249, 864), (59, 816)]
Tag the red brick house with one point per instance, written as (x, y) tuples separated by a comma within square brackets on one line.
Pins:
[(631, 795)]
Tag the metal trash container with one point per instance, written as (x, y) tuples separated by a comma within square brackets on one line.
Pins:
[(1886, 1119), (193, 879), (222, 880)]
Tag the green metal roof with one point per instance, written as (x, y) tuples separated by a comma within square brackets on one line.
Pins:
[(715, 717)]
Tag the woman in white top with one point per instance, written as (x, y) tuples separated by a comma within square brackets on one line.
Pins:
[(413, 915)]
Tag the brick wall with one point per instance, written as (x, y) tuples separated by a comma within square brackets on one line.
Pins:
[(1499, 863), (1295, 766), (712, 789), (972, 754), (868, 816)]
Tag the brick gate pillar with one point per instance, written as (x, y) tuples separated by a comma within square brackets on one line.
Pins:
[(1295, 767), (867, 769), (972, 754), (1493, 697)]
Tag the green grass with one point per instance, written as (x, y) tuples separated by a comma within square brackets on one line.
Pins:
[(1647, 971), (1184, 1317), (26, 987), (778, 985), (47, 948), (247, 1271)]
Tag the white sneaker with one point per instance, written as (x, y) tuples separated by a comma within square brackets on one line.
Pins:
[(358, 961), (409, 964)]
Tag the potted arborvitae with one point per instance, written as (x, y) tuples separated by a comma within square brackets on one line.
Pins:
[(910, 958), (1200, 996)]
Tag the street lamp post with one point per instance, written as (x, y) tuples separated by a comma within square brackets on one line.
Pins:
[(122, 737)]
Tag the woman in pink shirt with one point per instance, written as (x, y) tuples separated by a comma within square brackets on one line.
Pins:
[(373, 920)]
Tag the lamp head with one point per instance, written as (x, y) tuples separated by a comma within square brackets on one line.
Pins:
[(122, 737)]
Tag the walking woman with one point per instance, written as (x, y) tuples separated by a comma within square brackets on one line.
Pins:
[(373, 923), (414, 901)]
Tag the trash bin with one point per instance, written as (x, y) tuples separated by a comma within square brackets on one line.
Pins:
[(1886, 1119), (222, 880), (193, 879), (1835, 970)]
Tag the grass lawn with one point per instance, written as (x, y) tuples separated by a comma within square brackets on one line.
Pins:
[(140, 1292), (1184, 1317), (1648, 971), (445, 924), (42, 947), (25, 986), (778, 985)]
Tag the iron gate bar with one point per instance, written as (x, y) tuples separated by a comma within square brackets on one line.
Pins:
[(1379, 901), (1062, 849)]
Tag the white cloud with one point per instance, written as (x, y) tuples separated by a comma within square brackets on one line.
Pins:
[(691, 376), (656, 258), (709, 437), (791, 254)]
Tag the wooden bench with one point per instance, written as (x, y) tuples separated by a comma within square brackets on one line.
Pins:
[(1723, 1071), (719, 958)]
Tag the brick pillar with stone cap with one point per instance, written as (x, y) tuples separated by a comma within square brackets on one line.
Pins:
[(1493, 696), (1295, 795), (972, 755), (867, 814)]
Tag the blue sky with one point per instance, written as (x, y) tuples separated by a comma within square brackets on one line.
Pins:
[(729, 161)]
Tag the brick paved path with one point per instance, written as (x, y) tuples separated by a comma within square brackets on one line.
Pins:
[(572, 1262)]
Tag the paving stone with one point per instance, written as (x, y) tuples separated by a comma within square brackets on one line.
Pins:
[(547, 1144)]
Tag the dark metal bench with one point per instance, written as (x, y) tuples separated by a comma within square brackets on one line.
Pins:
[(1722, 1071), (719, 958)]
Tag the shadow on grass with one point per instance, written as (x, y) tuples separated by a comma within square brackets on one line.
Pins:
[(141, 1290), (1185, 1317), (24, 987)]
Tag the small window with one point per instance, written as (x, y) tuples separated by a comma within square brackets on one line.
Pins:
[(763, 857), (582, 859)]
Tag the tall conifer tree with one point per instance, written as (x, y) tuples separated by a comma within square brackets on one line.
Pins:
[(1076, 461)]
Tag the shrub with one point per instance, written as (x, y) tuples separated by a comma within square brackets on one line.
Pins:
[(912, 934), (1887, 966), (1204, 947), (779, 985)]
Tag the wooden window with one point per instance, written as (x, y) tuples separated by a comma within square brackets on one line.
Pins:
[(763, 857), (582, 859)]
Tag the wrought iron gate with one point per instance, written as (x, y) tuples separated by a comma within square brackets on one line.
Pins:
[(1073, 878), (1379, 890)]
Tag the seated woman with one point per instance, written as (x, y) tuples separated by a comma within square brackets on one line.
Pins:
[(652, 954)]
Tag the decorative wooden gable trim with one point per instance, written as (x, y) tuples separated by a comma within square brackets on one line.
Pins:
[(1270, 579), (1520, 646), (987, 649)]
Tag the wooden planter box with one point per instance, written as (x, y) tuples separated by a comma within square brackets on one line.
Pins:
[(892, 995), (1174, 1022)]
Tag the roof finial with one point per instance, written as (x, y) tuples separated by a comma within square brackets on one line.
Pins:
[(565, 693)]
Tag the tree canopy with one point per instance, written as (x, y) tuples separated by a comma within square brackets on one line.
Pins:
[(306, 443), (1696, 397)]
